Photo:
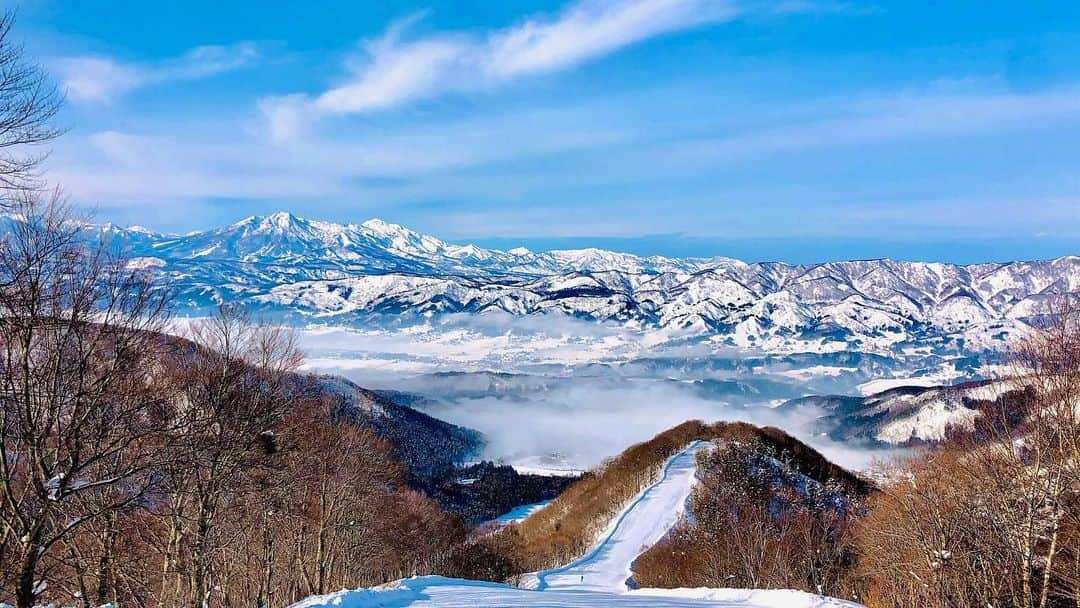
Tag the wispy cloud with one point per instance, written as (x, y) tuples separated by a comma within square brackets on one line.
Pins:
[(883, 117), (94, 78), (393, 71), (592, 167)]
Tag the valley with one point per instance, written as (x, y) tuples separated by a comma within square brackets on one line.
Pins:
[(498, 412), (546, 304)]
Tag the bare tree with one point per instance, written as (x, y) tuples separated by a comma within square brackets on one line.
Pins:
[(29, 101), (237, 382), (1049, 364), (755, 523), (994, 520), (80, 417)]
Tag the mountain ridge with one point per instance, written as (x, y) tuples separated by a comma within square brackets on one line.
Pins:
[(376, 224), (321, 271)]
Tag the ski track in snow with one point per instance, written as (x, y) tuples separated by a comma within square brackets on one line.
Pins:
[(644, 522), (438, 591), (599, 578)]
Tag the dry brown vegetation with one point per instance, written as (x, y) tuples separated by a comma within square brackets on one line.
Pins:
[(992, 518), (759, 521), (142, 470)]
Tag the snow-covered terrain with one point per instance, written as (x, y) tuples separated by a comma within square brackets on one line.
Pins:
[(910, 413), (437, 591), (361, 274), (520, 513), (607, 567), (491, 336), (597, 579)]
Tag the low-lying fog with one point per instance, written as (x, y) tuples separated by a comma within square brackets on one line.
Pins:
[(577, 426), (553, 397)]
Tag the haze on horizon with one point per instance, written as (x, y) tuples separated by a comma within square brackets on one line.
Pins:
[(796, 131)]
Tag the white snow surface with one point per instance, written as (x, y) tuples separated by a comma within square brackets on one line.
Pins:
[(357, 274), (457, 593), (607, 567), (522, 512), (597, 579)]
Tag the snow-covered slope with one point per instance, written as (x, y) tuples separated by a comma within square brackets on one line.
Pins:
[(437, 591), (596, 580), (356, 273), (900, 415), (644, 522)]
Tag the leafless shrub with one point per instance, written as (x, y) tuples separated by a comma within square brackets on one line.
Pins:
[(758, 522), (993, 521)]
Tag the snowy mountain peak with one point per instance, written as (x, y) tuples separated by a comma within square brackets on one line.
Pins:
[(282, 220), (247, 221), (353, 272), (386, 229), (377, 225), (282, 223)]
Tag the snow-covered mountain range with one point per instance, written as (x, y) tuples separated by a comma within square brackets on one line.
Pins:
[(905, 414), (356, 273)]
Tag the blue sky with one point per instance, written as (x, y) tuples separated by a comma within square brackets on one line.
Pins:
[(797, 129)]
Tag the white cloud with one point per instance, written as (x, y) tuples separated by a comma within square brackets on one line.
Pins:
[(565, 161), (402, 73), (589, 30), (96, 78), (286, 116), (103, 79), (217, 159), (393, 71)]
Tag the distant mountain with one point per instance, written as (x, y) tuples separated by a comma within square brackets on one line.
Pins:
[(908, 415), (358, 273)]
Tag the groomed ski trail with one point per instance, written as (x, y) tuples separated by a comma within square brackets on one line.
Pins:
[(595, 580), (641, 525)]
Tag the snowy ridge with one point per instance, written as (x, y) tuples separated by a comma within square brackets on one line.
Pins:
[(901, 415), (354, 273)]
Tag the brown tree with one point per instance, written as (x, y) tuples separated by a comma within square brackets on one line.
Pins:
[(237, 381), (28, 103), (993, 519), (757, 522), (81, 420)]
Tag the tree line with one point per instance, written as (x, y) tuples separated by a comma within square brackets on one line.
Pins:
[(992, 516)]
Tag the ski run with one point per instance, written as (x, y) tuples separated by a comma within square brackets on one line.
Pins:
[(600, 578)]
